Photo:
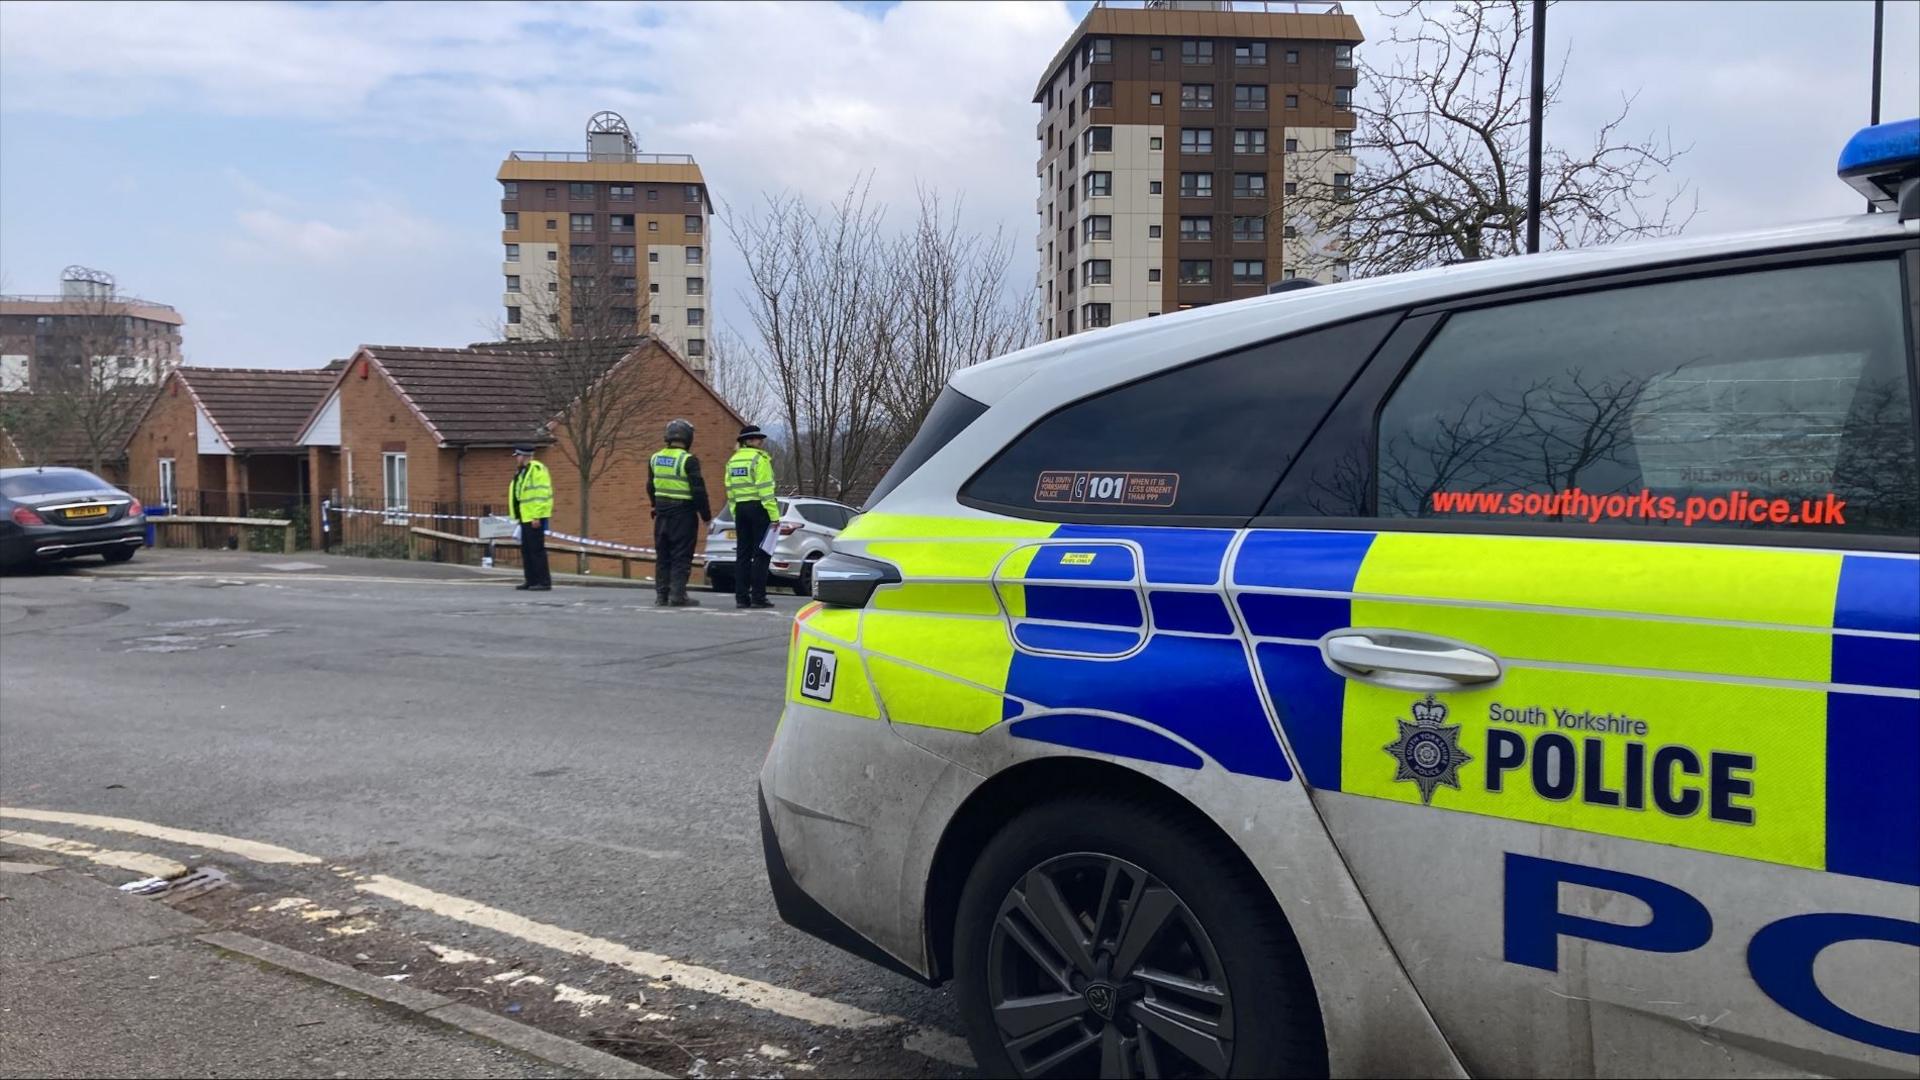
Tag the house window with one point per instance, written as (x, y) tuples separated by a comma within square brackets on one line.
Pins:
[(509, 189), (696, 316), (1153, 97), (581, 252), (1343, 140), (513, 252), (513, 219), (1196, 52), (1293, 56), (653, 194), (1196, 95), (1097, 315), (1196, 272), (1342, 185), (653, 225), (1098, 227), (1291, 188), (1293, 101), (1196, 140), (1196, 184), (654, 319), (393, 483), (1154, 187), (553, 223), (1290, 232), (1099, 95), (653, 256), (1290, 145), (1252, 53), (1097, 51), (1249, 228), (620, 191), (1098, 271), (623, 256), (696, 286), (579, 191), (1249, 271), (695, 256), (696, 346), (1154, 142), (1343, 96), (513, 282), (692, 193), (582, 223), (654, 287), (1196, 228), (1250, 141), (1250, 185), (1343, 56), (1341, 270), (1250, 98), (693, 223), (553, 286), (1287, 275), (1099, 140), (1099, 183), (168, 495), (626, 284), (553, 192), (1156, 54), (620, 222), (581, 283), (1153, 232), (1153, 274)]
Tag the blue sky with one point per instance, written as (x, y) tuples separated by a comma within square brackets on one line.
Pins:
[(300, 179)]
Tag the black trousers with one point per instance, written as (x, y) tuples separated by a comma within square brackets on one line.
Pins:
[(533, 552), (674, 531), (750, 525)]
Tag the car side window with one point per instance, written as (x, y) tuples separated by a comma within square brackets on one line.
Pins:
[(1766, 401), (1208, 439), (821, 514)]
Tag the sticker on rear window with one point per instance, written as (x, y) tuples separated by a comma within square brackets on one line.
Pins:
[(1107, 488)]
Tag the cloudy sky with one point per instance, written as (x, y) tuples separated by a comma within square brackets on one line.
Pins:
[(302, 178)]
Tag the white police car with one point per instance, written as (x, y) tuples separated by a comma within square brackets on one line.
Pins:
[(1505, 669)]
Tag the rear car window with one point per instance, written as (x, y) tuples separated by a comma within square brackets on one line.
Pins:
[(1763, 401), (1209, 439), (952, 411), (833, 517), (50, 482)]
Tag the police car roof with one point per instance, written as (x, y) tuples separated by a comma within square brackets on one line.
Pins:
[(1130, 350)]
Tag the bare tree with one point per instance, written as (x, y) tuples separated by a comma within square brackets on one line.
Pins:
[(820, 302), (955, 309), (576, 336), (86, 385), (1439, 156)]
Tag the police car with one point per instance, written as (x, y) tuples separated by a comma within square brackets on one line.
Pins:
[(1503, 669)]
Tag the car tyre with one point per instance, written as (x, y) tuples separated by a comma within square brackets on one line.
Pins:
[(118, 555), (803, 586), (720, 582), (1058, 868)]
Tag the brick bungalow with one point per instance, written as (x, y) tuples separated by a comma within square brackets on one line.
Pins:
[(432, 430), (67, 448), (226, 440)]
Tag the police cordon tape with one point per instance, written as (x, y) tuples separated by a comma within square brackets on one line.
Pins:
[(551, 534)]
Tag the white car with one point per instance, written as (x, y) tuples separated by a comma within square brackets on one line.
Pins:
[(1507, 669), (807, 527)]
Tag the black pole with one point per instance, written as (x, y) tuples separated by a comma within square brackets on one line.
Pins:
[(1536, 108), (1879, 24)]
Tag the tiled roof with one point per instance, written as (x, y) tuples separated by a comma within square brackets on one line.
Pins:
[(69, 447), (259, 409), (487, 394)]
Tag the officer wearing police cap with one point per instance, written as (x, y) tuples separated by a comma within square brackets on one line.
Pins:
[(750, 495)]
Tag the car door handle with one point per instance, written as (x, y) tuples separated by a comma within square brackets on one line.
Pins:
[(1420, 658)]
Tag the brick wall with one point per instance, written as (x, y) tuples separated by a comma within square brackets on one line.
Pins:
[(374, 420), (168, 430)]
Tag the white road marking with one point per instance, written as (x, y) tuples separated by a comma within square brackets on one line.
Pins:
[(450, 955), (797, 1004), (136, 861), (777, 999), (246, 849)]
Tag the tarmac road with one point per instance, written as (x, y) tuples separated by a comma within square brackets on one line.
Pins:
[(578, 759)]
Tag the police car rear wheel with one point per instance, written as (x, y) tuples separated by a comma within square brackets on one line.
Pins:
[(1106, 937)]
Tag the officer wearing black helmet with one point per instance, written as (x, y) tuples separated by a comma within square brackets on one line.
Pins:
[(679, 506)]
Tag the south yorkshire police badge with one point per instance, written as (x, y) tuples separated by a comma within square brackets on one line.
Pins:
[(1428, 750)]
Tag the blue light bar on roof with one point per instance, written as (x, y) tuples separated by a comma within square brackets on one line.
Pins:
[(1877, 159)]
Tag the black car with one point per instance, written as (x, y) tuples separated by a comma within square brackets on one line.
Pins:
[(52, 513)]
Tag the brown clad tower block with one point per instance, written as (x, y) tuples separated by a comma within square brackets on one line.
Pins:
[(1170, 132)]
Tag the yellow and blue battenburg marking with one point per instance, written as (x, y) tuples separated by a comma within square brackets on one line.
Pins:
[(1762, 703)]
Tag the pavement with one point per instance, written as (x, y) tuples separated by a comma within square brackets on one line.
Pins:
[(540, 805), (100, 983)]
